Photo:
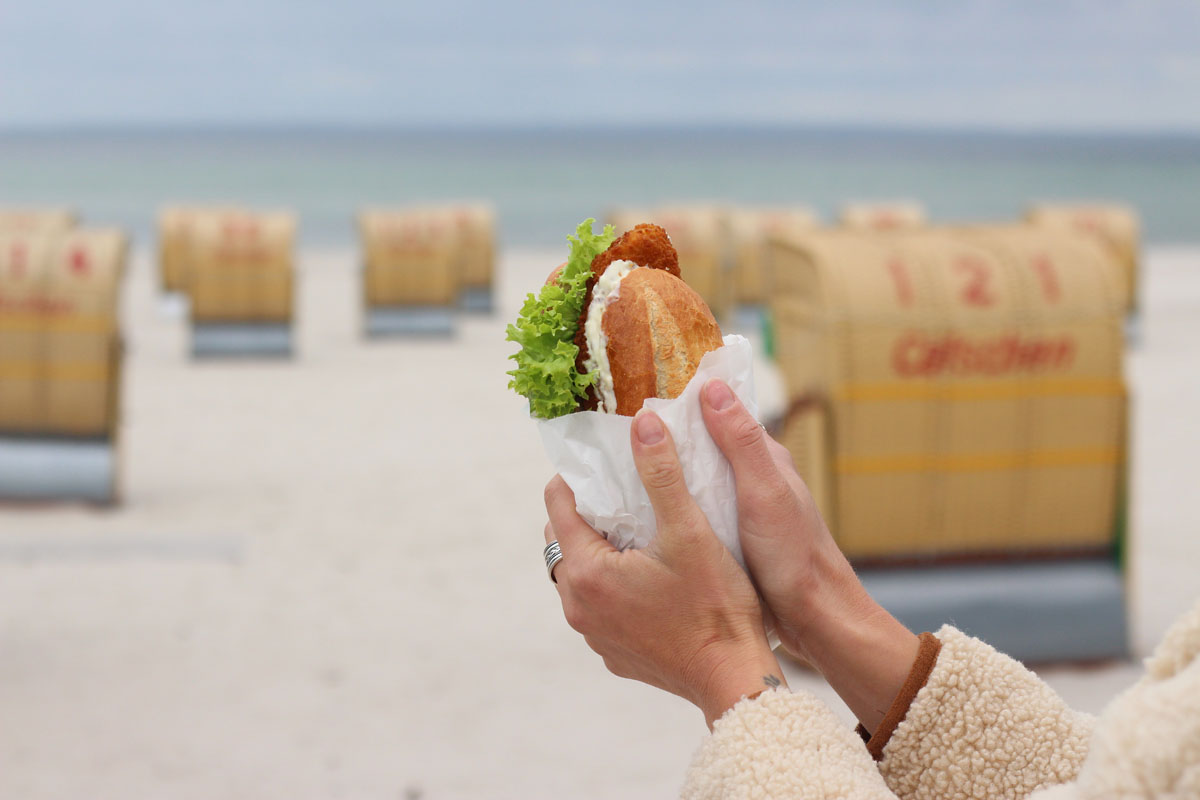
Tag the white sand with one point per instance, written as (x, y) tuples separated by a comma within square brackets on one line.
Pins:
[(325, 580)]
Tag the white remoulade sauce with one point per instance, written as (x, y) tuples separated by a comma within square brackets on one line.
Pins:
[(605, 291)]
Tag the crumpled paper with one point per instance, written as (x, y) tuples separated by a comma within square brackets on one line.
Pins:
[(591, 451)]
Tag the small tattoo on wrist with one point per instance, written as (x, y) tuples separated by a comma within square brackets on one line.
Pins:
[(772, 681)]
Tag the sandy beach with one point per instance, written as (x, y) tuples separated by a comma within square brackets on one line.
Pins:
[(325, 577)]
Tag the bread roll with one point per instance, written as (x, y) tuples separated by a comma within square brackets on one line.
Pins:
[(657, 330)]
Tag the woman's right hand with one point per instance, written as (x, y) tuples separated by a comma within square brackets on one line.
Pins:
[(822, 612)]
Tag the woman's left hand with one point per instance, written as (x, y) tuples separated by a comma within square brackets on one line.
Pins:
[(680, 614)]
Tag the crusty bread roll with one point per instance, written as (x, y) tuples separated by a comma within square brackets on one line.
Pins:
[(658, 328)]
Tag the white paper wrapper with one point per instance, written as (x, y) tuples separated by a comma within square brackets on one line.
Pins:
[(591, 451)]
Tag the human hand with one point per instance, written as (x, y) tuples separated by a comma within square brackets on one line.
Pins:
[(680, 614), (822, 612)]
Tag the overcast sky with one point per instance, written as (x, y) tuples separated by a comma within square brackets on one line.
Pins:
[(1133, 64)]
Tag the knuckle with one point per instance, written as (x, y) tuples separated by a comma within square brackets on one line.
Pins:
[(690, 528), (585, 581), (662, 473), (576, 617), (780, 454), (746, 432), (770, 497), (615, 667)]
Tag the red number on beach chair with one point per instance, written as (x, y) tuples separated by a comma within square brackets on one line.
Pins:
[(1049, 278), (976, 292), (80, 263), (19, 259), (904, 289)]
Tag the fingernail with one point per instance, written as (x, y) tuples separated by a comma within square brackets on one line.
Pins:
[(649, 427), (718, 394)]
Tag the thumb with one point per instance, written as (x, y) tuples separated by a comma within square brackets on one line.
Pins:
[(658, 466)]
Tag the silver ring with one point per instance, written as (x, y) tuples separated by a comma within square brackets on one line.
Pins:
[(553, 554)]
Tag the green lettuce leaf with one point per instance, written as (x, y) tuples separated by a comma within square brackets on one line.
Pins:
[(546, 327)]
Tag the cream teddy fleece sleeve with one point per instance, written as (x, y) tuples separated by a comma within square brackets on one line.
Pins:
[(983, 726), (783, 745), (1147, 743)]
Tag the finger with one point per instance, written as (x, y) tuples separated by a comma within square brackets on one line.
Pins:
[(576, 538), (734, 429), (658, 466), (761, 486)]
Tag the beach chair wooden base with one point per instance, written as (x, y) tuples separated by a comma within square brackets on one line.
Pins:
[(408, 321), (34, 469), (237, 340), (476, 300), (1034, 612)]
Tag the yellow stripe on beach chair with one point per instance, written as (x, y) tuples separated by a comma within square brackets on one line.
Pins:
[(41, 323), (80, 371), (979, 390), (976, 462)]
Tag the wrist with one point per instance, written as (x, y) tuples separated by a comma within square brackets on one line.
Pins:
[(826, 599), (830, 621), (862, 651), (737, 673)]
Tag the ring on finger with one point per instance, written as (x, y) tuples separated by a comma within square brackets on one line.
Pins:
[(552, 554)]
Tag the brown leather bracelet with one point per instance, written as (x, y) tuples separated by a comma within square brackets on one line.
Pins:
[(927, 653)]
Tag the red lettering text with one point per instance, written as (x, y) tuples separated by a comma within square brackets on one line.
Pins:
[(917, 354)]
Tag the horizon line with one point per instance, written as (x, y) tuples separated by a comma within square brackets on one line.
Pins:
[(499, 127)]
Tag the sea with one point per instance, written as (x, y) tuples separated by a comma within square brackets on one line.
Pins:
[(543, 181)]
